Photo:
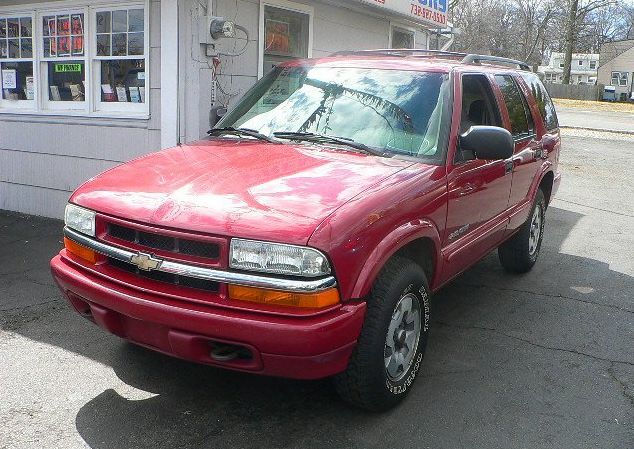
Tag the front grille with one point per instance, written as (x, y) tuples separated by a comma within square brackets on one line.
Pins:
[(159, 276), (165, 243)]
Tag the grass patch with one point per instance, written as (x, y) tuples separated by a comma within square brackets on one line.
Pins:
[(594, 105)]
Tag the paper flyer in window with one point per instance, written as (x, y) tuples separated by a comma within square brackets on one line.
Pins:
[(108, 93), (135, 95), (76, 93), (77, 24), (122, 95), (278, 37), (9, 79), (29, 90), (142, 92), (63, 26), (52, 27), (55, 96), (77, 29)]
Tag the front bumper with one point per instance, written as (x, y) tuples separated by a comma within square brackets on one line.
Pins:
[(303, 347)]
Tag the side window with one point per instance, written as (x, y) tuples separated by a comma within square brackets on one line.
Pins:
[(516, 105), (478, 103), (544, 103)]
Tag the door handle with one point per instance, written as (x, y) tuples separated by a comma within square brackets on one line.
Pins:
[(467, 189)]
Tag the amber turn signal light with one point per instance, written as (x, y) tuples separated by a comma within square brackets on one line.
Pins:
[(80, 251), (278, 298)]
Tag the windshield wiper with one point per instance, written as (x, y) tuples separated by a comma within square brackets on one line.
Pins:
[(322, 138), (239, 132)]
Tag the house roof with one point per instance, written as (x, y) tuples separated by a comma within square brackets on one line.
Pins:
[(611, 50)]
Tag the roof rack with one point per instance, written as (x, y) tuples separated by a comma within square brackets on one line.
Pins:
[(465, 58), (401, 52), (475, 59)]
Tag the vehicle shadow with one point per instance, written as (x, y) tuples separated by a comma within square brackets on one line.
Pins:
[(185, 405)]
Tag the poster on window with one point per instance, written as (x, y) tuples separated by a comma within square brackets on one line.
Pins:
[(278, 37), (77, 29), (52, 31), (9, 79)]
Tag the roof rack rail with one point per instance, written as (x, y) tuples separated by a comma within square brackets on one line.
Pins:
[(401, 52), (465, 58), (475, 59)]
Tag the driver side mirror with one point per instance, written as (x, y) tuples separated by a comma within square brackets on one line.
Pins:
[(488, 142)]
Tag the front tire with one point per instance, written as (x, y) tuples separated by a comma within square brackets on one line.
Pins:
[(392, 343), (520, 252)]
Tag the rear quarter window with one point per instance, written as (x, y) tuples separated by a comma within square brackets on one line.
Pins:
[(544, 102)]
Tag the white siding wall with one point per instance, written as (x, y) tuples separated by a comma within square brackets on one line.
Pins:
[(43, 158)]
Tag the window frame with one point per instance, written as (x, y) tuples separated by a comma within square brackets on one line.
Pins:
[(114, 107), (593, 64), (289, 6), (528, 115), (43, 62), (90, 107), (402, 29), (8, 105), (620, 78)]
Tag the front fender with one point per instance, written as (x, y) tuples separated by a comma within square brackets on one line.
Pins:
[(389, 245)]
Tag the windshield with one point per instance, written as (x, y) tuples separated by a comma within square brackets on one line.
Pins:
[(395, 111)]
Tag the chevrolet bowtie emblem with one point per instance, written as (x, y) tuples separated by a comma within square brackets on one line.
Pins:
[(146, 262)]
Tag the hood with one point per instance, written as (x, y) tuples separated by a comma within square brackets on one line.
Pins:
[(249, 189)]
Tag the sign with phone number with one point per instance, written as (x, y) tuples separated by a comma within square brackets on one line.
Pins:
[(429, 12)]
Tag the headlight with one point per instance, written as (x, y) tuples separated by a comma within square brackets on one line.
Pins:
[(278, 259), (80, 219)]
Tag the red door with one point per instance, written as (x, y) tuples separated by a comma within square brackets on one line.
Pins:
[(478, 190), (528, 139)]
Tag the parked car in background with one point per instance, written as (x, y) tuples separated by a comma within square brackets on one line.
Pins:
[(305, 236)]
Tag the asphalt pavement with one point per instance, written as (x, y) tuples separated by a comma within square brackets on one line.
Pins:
[(543, 360)]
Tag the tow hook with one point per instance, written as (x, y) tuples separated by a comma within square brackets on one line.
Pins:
[(226, 353)]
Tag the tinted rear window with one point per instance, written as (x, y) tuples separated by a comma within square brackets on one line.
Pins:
[(545, 104), (515, 104)]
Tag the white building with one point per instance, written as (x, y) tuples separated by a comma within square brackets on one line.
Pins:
[(88, 84), (583, 69)]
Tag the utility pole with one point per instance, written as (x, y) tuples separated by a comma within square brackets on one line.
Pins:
[(571, 37)]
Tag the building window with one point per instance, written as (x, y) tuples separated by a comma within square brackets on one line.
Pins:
[(119, 62), (285, 34), (402, 38), (561, 65), (16, 62), (579, 79), (593, 65), (619, 79), (63, 65), (86, 60), (580, 62)]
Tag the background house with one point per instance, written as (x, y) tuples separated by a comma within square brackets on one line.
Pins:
[(616, 67), (88, 84), (583, 69)]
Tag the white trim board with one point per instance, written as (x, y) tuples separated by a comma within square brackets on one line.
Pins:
[(169, 74)]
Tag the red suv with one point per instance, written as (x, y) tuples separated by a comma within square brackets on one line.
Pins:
[(305, 236)]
